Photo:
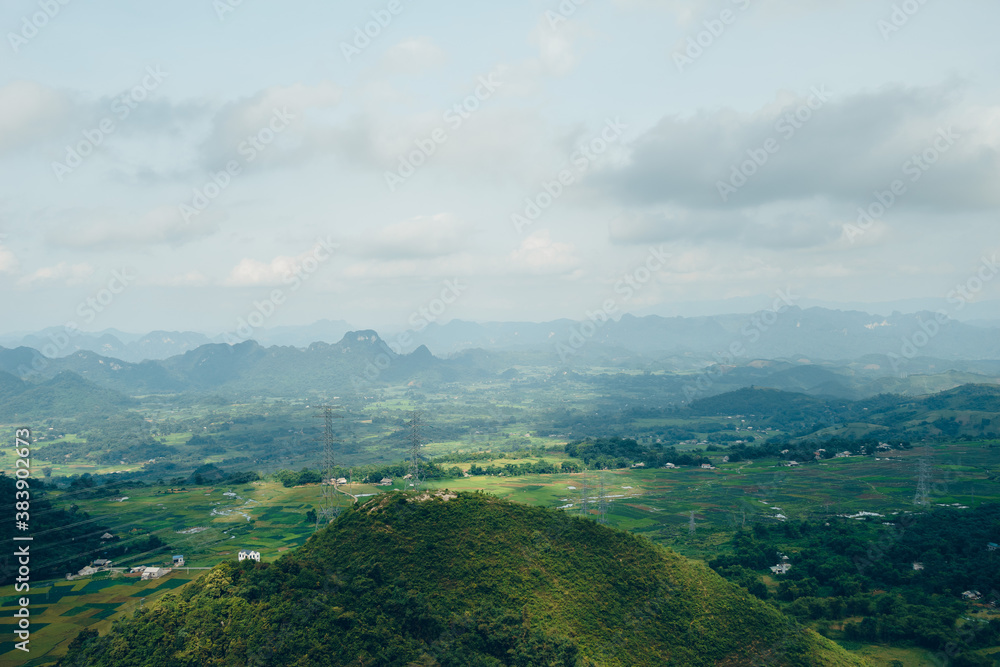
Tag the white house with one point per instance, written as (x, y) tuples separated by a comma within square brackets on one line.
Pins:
[(251, 555)]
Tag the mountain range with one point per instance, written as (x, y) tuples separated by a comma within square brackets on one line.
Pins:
[(785, 332)]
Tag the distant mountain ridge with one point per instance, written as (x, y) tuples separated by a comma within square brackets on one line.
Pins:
[(832, 335)]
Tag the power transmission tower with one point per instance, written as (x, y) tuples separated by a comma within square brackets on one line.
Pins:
[(602, 500), (329, 503), (583, 493), (415, 439), (691, 524), (923, 474)]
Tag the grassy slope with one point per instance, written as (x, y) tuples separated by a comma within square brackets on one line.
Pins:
[(620, 599)]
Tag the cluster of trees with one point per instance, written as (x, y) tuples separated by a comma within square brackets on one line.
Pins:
[(849, 568), (805, 450), (514, 469), (616, 452)]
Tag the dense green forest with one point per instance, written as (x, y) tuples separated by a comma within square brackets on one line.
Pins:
[(460, 580), (902, 582)]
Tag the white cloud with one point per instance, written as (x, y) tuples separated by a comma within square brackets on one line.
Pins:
[(412, 56), (109, 228), (193, 278), (252, 272), (30, 112), (247, 117), (63, 272), (424, 236), (539, 254), (8, 260), (847, 148)]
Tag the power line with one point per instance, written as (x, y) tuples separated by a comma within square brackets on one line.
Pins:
[(923, 474), (329, 503), (415, 441)]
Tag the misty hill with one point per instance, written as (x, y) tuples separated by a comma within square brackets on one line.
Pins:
[(157, 345), (968, 411), (458, 581), (813, 332), (359, 362), (65, 394)]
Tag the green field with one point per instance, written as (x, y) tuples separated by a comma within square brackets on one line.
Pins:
[(209, 524), (61, 609)]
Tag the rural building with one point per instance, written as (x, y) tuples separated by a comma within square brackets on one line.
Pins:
[(86, 571), (781, 568), (670, 465), (917, 567), (249, 555), (992, 546), (842, 455), (342, 480), (178, 560), (107, 536), (386, 481), (706, 466), (101, 562), (971, 595), (154, 572)]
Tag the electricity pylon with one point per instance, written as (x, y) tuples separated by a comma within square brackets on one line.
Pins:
[(415, 438), (329, 504)]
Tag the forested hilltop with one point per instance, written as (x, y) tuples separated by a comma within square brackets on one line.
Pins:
[(460, 580)]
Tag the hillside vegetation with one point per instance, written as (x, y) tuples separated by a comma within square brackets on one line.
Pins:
[(461, 580)]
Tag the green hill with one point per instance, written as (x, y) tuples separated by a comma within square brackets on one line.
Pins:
[(461, 580)]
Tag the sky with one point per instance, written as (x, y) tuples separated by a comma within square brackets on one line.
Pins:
[(197, 164)]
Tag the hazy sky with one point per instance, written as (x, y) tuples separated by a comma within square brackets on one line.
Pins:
[(176, 162)]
